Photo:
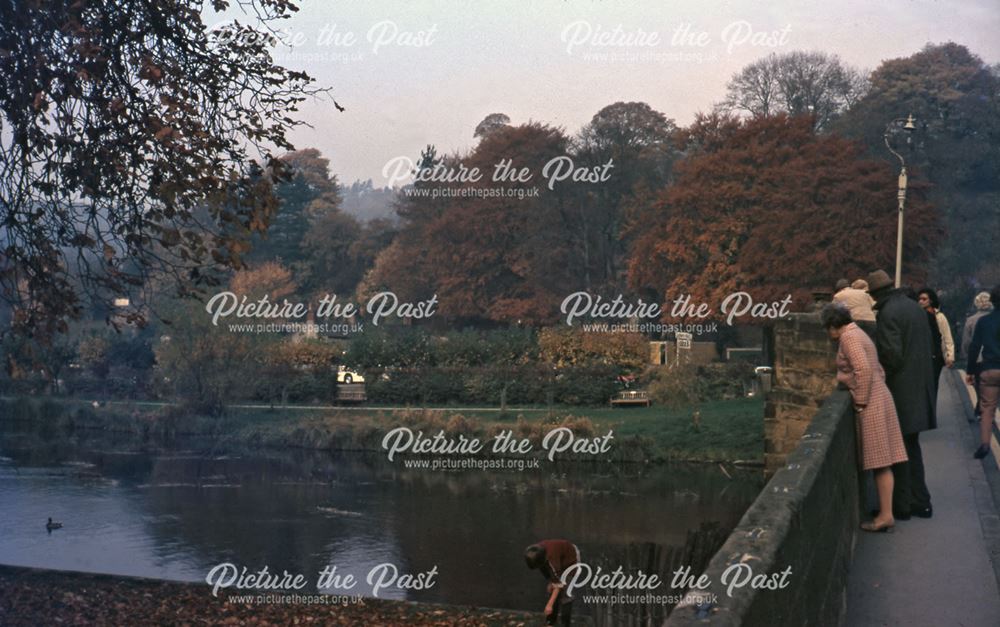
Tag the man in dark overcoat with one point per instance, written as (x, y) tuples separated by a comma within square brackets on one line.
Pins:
[(904, 343)]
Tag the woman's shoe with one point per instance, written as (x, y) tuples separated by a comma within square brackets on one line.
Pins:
[(896, 515), (981, 452), (878, 528)]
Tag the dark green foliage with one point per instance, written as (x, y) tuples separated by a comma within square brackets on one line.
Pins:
[(525, 385), (413, 347), (691, 385), (955, 98)]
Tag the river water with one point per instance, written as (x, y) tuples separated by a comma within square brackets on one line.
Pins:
[(176, 513)]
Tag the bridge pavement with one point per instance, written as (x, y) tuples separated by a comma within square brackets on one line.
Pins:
[(940, 571)]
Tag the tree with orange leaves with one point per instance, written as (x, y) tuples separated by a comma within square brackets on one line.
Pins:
[(769, 207), (489, 258)]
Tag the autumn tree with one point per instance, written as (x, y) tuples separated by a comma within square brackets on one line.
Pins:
[(955, 98), (327, 250), (204, 366), (270, 279), (491, 259), (26, 357), (768, 206), (281, 362), (564, 347), (816, 84), (503, 258), (134, 140), (208, 366)]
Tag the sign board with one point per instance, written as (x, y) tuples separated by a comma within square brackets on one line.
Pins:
[(684, 340)]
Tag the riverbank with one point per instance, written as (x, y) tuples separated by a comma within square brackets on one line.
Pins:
[(720, 431), (31, 596)]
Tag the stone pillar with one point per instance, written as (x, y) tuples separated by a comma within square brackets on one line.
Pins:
[(804, 375)]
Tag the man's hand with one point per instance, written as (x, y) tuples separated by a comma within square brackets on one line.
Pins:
[(970, 379), (553, 590)]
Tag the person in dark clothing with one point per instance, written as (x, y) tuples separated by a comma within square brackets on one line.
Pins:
[(937, 355), (904, 343), (982, 307), (551, 558), (944, 349), (986, 344)]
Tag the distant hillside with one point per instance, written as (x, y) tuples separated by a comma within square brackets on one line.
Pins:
[(366, 202)]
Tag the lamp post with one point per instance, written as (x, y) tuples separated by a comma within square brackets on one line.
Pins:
[(909, 127)]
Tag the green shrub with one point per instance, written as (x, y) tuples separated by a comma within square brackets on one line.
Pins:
[(585, 386), (307, 387), (525, 385), (690, 385), (409, 347), (726, 380), (441, 386)]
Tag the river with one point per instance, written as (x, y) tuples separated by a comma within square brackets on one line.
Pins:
[(175, 513)]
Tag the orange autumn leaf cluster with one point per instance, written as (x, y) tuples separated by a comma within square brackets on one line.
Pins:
[(501, 259), (770, 207)]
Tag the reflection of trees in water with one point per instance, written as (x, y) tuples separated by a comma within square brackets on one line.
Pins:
[(278, 514), (48, 445), (299, 510), (475, 526), (649, 557)]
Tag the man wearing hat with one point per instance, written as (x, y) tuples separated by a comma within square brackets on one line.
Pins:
[(904, 343)]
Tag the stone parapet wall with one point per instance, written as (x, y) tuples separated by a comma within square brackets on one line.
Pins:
[(806, 517), (806, 520), (804, 375)]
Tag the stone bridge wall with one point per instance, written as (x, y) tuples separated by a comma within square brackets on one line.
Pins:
[(804, 375), (807, 515)]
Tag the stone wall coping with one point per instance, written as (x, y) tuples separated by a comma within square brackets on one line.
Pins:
[(760, 534)]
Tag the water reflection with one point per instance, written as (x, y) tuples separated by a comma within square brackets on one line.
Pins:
[(176, 514)]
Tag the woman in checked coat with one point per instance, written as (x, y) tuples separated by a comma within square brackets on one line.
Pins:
[(879, 435)]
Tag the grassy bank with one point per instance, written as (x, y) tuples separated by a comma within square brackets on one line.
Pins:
[(727, 430), (30, 597)]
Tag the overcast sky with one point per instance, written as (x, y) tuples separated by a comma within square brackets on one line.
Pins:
[(427, 71)]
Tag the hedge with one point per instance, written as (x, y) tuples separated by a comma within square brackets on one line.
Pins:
[(525, 385)]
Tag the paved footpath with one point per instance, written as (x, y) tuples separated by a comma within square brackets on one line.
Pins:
[(935, 572)]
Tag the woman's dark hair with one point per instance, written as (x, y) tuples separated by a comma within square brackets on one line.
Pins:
[(534, 556), (834, 316), (931, 296), (995, 297)]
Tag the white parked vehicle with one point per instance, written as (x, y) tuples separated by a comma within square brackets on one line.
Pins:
[(348, 375)]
